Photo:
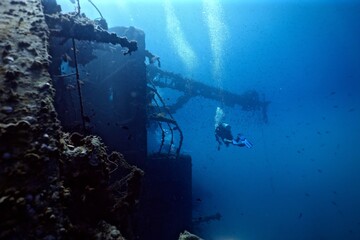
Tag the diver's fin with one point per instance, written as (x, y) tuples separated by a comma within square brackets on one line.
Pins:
[(247, 143)]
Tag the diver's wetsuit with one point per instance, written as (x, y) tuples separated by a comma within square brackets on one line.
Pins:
[(223, 132)]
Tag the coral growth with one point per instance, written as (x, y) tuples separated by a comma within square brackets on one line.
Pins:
[(80, 27), (91, 199), (188, 236), (53, 185)]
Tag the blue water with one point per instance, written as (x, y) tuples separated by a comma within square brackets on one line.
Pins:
[(301, 180)]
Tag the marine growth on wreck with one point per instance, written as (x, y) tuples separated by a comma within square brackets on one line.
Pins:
[(53, 184)]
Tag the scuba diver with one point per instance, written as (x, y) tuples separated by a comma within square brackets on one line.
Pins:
[(223, 135)]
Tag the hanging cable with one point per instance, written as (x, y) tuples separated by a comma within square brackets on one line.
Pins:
[(162, 129), (171, 117), (172, 138), (96, 9), (100, 22), (79, 87), (78, 8), (163, 132)]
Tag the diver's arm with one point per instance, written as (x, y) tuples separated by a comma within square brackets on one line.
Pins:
[(217, 139)]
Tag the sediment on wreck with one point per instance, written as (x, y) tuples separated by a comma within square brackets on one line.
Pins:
[(46, 174), (29, 130)]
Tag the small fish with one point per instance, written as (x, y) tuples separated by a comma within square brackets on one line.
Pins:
[(300, 216), (89, 189), (351, 110), (70, 87), (198, 200), (125, 127), (72, 1), (319, 170), (335, 106), (307, 194), (175, 128), (130, 137), (332, 93), (334, 203), (160, 115), (66, 58)]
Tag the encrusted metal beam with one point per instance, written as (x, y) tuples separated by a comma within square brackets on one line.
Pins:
[(249, 100), (72, 25)]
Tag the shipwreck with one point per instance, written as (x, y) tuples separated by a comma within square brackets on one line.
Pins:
[(76, 103)]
